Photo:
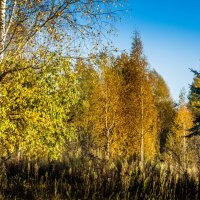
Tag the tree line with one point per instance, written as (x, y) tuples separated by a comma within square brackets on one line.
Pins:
[(111, 106), (125, 109), (53, 105)]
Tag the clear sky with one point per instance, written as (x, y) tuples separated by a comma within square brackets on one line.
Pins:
[(170, 32)]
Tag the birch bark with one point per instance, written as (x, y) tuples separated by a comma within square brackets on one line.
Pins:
[(2, 27)]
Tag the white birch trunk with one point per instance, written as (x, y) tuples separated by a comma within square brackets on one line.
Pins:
[(107, 128), (2, 27), (142, 130), (184, 149)]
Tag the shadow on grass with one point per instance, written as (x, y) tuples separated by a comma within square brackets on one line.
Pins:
[(95, 179)]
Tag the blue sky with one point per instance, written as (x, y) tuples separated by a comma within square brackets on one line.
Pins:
[(170, 32)]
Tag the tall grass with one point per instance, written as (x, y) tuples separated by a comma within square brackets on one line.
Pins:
[(95, 179)]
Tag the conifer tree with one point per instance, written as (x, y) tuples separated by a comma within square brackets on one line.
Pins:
[(194, 100)]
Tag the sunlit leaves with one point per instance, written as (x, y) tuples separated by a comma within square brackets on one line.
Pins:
[(33, 23), (35, 106)]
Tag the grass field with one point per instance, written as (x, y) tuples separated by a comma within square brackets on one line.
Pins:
[(95, 179)]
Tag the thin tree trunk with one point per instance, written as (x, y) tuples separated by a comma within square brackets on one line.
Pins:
[(18, 154), (142, 130), (184, 148), (2, 27), (107, 128)]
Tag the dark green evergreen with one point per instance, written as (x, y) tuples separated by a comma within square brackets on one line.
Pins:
[(194, 101)]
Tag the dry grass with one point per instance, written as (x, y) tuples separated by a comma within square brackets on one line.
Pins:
[(80, 178)]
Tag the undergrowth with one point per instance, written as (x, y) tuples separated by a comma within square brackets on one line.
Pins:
[(95, 179)]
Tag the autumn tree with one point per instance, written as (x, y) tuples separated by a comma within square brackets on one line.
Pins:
[(35, 107), (139, 111), (99, 108), (164, 105), (106, 97), (178, 145), (38, 88), (87, 79), (23, 24)]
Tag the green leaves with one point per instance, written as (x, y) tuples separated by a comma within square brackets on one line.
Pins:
[(35, 106)]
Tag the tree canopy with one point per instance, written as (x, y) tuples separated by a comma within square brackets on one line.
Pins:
[(25, 25)]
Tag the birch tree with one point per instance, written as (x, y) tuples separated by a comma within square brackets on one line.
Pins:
[(2, 26), (25, 24), (106, 100), (164, 105), (178, 145), (139, 112), (85, 117), (36, 108)]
